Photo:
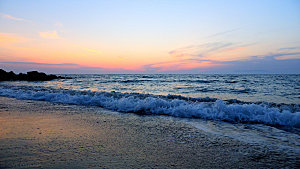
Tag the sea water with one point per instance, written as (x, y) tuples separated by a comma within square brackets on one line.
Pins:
[(263, 99)]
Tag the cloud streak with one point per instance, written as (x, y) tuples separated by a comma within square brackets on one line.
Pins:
[(6, 16), (206, 50), (49, 35), (93, 50), (199, 50), (223, 33), (289, 48)]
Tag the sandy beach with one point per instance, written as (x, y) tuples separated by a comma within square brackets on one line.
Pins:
[(37, 134)]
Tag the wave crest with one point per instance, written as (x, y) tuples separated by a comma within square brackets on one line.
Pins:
[(172, 105)]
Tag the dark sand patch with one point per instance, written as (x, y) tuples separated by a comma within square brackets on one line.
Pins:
[(35, 134)]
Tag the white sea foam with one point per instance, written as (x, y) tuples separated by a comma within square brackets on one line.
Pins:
[(155, 105)]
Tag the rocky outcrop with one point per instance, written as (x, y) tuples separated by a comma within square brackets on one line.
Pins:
[(30, 76)]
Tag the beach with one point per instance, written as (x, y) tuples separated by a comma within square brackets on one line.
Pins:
[(38, 134)]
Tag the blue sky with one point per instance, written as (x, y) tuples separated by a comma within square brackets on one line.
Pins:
[(218, 36)]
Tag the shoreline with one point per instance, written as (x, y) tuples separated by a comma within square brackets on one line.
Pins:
[(38, 134)]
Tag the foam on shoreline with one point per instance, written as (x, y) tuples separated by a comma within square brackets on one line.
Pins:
[(156, 105)]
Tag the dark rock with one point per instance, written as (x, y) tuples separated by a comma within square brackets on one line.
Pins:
[(3, 75), (30, 76), (22, 76)]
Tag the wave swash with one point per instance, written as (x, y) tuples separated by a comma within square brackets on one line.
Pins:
[(177, 106)]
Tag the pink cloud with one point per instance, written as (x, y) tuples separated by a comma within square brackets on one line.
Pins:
[(6, 16)]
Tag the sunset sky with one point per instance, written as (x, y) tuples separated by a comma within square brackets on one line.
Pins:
[(150, 36)]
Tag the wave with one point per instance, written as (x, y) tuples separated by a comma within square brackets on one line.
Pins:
[(172, 105), (157, 81), (134, 81), (197, 81)]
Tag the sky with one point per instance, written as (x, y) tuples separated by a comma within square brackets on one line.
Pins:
[(150, 36)]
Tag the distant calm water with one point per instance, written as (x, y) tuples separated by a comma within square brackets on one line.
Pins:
[(176, 95), (250, 88)]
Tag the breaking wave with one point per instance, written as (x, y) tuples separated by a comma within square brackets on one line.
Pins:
[(172, 105)]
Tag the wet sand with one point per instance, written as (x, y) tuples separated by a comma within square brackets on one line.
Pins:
[(37, 134)]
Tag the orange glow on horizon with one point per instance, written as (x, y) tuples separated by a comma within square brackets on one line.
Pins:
[(52, 49)]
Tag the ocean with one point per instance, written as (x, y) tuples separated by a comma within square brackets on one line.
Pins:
[(260, 99)]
